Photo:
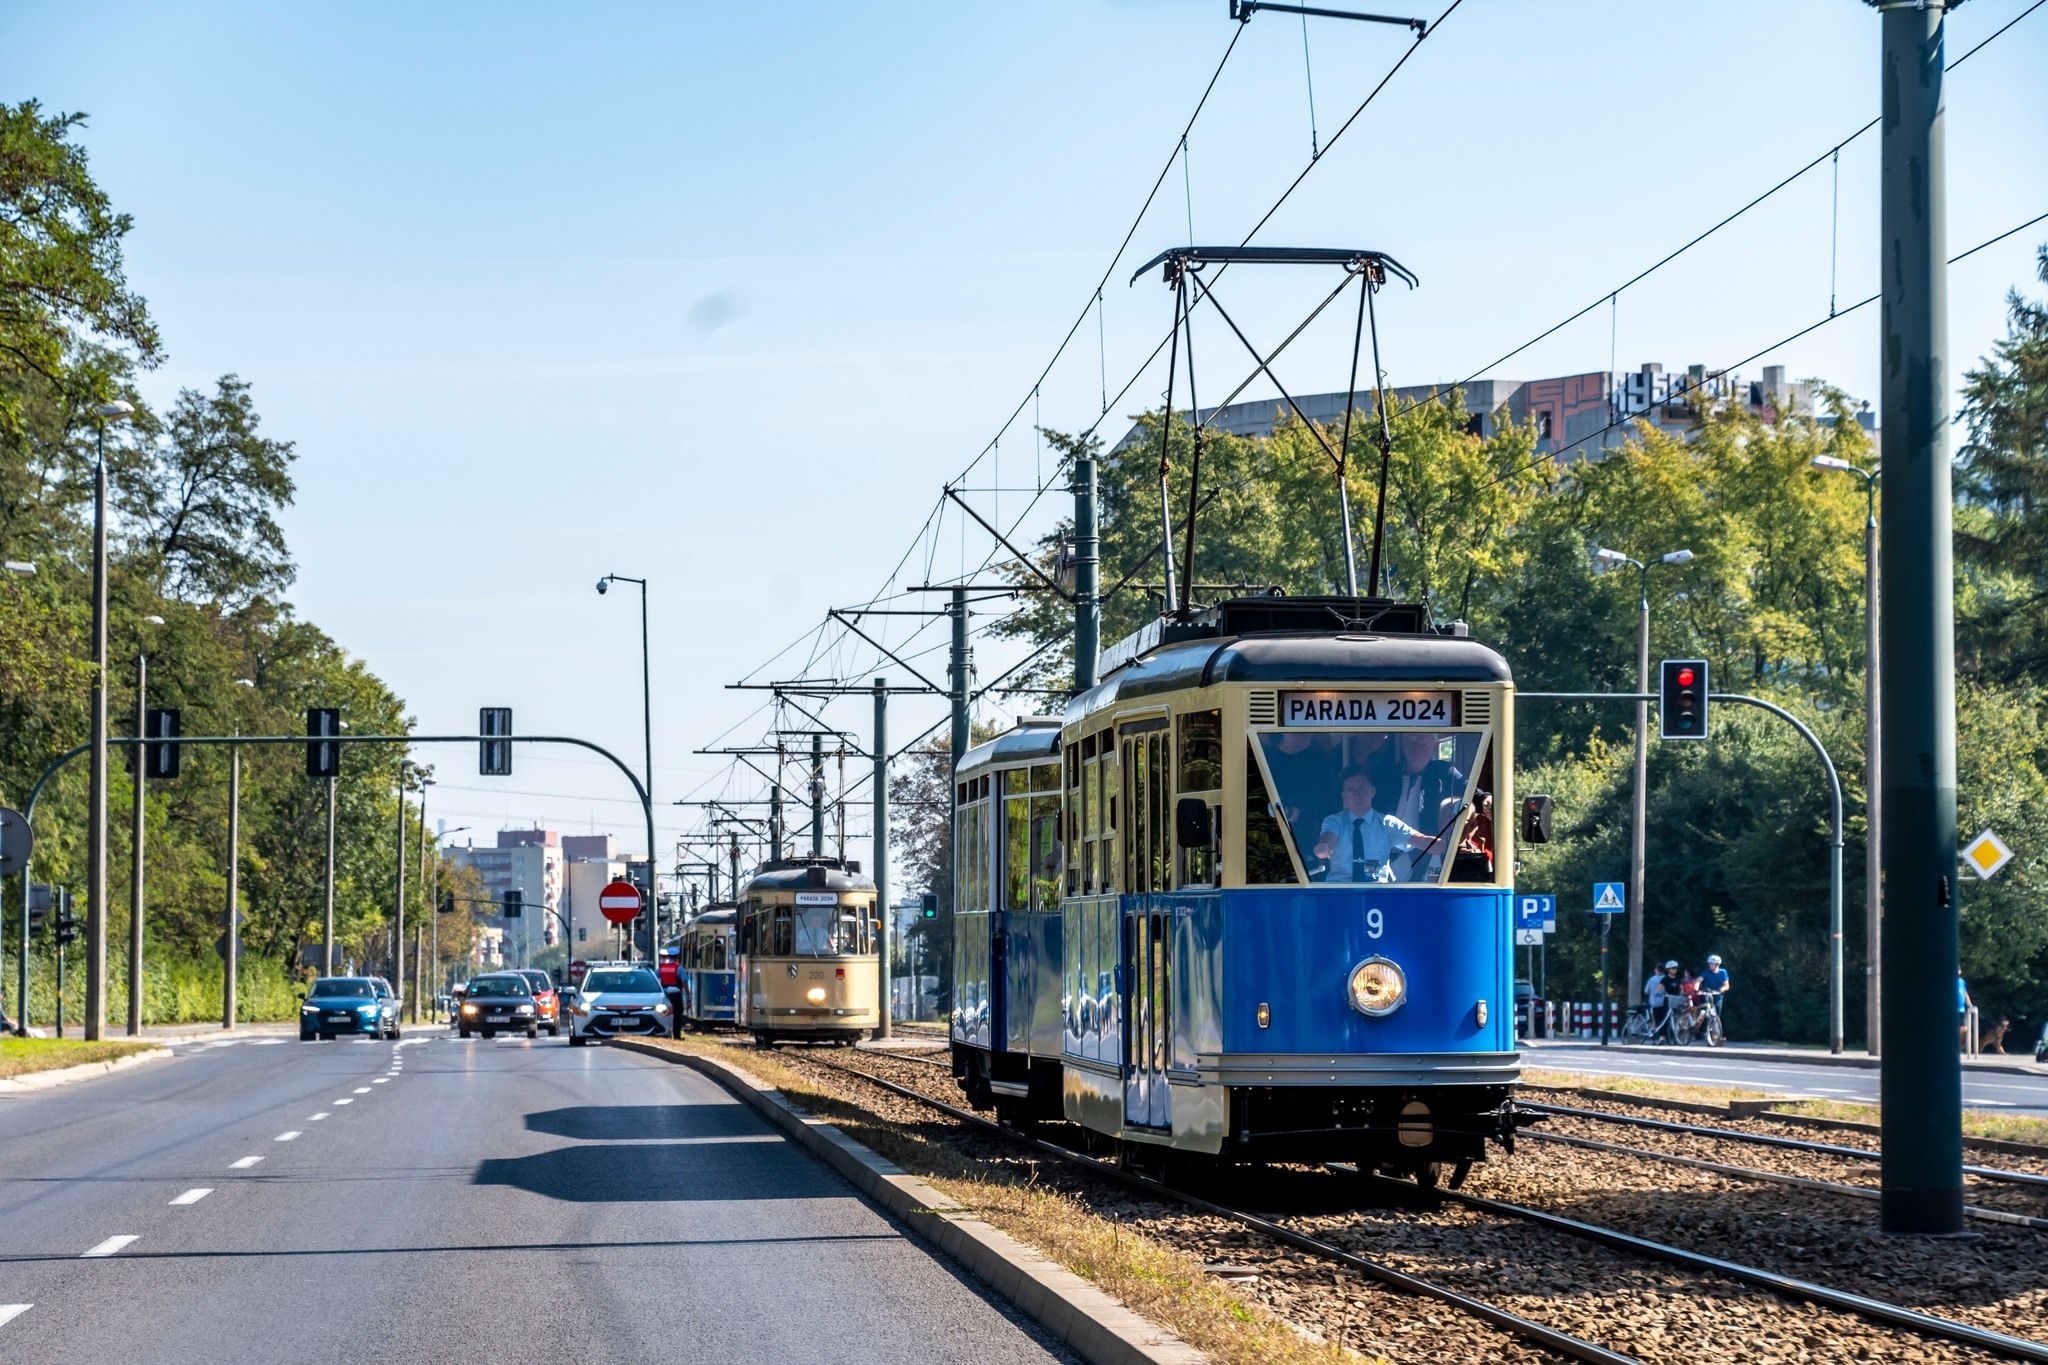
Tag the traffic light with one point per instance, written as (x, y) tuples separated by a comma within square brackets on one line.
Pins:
[(66, 923), (39, 899), (160, 761), (447, 903), (1682, 699), (323, 759), (1535, 819), (494, 756), (929, 904), (515, 904)]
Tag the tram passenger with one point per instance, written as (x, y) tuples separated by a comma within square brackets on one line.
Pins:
[(1417, 788), (1359, 842), (1302, 762)]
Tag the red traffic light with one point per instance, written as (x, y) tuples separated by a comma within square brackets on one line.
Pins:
[(1685, 677)]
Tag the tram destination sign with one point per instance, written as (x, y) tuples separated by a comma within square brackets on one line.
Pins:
[(1343, 710), (817, 898)]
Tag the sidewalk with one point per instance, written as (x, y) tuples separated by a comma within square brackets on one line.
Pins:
[(2017, 1064)]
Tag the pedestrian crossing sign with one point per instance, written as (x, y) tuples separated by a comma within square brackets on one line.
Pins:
[(1986, 854), (1608, 898)]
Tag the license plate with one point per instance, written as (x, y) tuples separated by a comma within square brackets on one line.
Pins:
[(339, 1018), (498, 1018)]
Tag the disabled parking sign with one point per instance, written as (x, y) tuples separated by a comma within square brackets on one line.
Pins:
[(1536, 913), (1609, 898)]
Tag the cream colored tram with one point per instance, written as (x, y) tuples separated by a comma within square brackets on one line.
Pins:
[(809, 965)]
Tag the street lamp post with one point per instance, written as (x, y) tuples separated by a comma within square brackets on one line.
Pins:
[(136, 860), (1639, 825), (231, 935), (1873, 768), (96, 820), (647, 733), (398, 936)]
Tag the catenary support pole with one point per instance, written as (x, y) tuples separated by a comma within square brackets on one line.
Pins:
[(960, 674), (1873, 783), (96, 818), (231, 916), (327, 918), (1922, 1076), (880, 855), (137, 841), (1639, 823), (817, 796), (398, 935), (1087, 568)]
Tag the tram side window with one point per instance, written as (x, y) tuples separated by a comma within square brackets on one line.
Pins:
[(1105, 858), (1159, 847), (1265, 847), (1475, 862), (1016, 843), (1071, 824), (1047, 854), (1201, 751)]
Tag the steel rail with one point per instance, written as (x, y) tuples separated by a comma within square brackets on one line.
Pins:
[(1513, 1323), (1769, 1177), (1877, 1310), (1768, 1140)]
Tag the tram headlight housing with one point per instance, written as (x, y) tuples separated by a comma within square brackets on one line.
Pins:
[(1378, 987), (816, 995)]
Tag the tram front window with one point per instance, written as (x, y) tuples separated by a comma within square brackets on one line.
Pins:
[(1369, 805)]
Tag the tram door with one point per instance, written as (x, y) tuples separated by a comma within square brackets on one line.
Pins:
[(1148, 934)]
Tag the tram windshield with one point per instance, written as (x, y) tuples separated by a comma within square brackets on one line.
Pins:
[(1372, 805), (831, 930)]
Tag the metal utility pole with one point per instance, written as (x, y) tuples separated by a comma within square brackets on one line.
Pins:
[(327, 923), (647, 732), (960, 673), (1087, 583), (231, 934), (880, 855), (1639, 802), (135, 860), (398, 927), (732, 854), (817, 796), (1922, 1076), (96, 820), (774, 820)]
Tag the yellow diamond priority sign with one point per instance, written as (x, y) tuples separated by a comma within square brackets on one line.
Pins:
[(1987, 853)]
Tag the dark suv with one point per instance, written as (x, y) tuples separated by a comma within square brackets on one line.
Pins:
[(348, 1004)]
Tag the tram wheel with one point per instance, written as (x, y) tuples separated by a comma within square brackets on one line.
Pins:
[(761, 1039), (1429, 1174)]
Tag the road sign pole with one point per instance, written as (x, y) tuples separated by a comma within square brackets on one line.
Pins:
[(1606, 924), (327, 920), (135, 851), (1921, 1084), (1638, 837)]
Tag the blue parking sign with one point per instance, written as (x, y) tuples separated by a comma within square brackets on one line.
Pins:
[(1536, 912), (1610, 898)]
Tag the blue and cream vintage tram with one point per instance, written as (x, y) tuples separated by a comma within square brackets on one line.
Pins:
[(707, 969), (808, 965), (1249, 898)]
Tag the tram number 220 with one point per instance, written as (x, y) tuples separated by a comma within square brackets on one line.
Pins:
[(1375, 924)]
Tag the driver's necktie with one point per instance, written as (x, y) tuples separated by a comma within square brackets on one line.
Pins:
[(1357, 848)]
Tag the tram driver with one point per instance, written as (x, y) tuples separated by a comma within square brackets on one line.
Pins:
[(1360, 842)]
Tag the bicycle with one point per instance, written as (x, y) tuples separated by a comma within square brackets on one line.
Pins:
[(1701, 1022)]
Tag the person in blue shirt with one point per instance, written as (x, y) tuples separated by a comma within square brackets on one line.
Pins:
[(1358, 843), (1714, 982)]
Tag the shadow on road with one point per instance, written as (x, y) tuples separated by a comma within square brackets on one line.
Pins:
[(646, 1122), (606, 1173)]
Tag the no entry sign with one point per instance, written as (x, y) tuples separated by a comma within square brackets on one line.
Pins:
[(619, 902)]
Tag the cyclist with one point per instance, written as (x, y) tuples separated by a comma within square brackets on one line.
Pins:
[(1667, 994), (1713, 984)]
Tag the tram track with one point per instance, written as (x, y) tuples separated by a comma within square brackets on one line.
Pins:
[(1866, 1309)]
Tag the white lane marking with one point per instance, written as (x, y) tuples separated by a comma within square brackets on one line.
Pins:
[(362, 1090), (267, 1042), (286, 1137), (381, 1080), (192, 1196), (344, 1100), (315, 1118), (108, 1247), (244, 1164), (10, 1311)]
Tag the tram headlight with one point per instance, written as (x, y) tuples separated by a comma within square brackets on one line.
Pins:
[(816, 995), (1378, 987)]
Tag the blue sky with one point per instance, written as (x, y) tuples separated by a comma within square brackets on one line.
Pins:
[(721, 295)]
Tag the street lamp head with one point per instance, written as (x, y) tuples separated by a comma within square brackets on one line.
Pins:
[(116, 411), (1606, 556), (1678, 557), (1830, 462), (245, 682), (154, 620), (604, 585), (22, 567)]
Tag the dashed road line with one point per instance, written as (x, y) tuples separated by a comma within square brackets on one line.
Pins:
[(10, 1311), (315, 1118), (192, 1196), (108, 1247), (344, 1100), (292, 1136), (381, 1080), (362, 1090), (244, 1164)]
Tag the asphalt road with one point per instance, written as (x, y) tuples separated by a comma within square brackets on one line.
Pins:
[(270, 1200), (1981, 1089)]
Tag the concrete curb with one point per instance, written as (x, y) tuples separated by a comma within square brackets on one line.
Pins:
[(1860, 1060), (64, 1075), (1097, 1327)]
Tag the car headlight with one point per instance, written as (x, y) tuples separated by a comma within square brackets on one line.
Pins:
[(661, 1009), (469, 1009), (366, 1010), (579, 1008), (524, 1009), (1377, 987), (309, 1009)]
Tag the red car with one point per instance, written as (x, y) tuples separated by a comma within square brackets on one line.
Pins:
[(547, 1002)]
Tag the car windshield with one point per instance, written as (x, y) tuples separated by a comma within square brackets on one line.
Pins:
[(638, 980), (539, 981), (498, 986), (344, 986), (1367, 805)]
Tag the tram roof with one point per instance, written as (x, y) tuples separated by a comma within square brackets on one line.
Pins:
[(1033, 737), (724, 914), (807, 875)]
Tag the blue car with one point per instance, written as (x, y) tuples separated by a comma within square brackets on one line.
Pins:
[(348, 1004)]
